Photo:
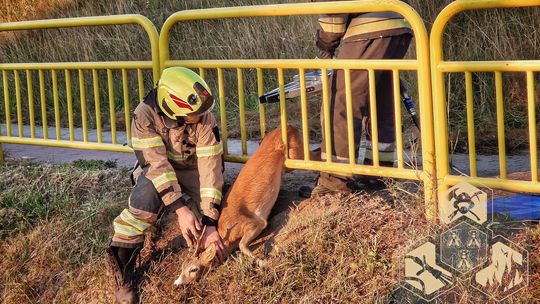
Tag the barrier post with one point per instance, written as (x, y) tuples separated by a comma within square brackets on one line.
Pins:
[(439, 67)]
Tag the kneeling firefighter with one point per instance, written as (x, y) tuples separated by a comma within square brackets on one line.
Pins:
[(176, 141)]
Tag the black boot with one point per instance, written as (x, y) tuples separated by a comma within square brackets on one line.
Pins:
[(373, 182), (306, 190), (329, 183), (122, 262)]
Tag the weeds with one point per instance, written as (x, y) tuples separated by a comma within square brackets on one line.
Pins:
[(94, 165)]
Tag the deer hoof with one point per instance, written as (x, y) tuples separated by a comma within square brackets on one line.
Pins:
[(262, 263)]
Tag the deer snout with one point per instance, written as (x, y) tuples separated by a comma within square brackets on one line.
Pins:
[(189, 274)]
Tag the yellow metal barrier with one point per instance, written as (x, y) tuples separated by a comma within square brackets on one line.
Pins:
[(68, 70), (440, 67), (421, 65)]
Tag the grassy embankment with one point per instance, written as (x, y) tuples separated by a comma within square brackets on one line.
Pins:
[(56, 221), (497, 34)]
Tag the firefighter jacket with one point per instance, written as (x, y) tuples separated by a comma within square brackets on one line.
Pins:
[(350, 27), (163, 146)]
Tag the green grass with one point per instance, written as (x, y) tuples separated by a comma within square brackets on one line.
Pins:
[(55, 219)]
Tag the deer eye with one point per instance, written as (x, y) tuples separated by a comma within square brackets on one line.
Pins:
[(194, 269)]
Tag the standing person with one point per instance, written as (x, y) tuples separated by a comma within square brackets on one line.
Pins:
[(177, 145), (375, 35)]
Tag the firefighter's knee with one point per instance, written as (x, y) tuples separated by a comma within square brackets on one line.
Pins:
[(144, 206)]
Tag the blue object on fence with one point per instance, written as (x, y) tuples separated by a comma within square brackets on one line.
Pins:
[(519, 207)]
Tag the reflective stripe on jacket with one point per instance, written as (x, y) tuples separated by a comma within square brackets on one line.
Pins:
[(163, 145)]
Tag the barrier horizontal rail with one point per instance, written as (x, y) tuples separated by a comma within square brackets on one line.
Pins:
[(140, 20), (115, 65), (387, 64)]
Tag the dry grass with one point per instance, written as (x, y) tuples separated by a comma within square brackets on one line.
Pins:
[(332, 249)]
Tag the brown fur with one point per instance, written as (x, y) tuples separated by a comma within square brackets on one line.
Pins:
[(248, 203)]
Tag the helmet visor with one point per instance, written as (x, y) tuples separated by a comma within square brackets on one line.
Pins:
[(207, 100)]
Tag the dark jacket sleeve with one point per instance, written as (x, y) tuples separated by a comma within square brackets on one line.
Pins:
[(331, 29)]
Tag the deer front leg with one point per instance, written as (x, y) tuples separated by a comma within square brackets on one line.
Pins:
[(252, 229)]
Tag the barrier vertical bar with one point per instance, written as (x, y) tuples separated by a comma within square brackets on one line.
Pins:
[(470, 123), (350, 119), (283, 110), (84, 119), (326, 110), (126, 104), (305, 123), (43, 105), (373, 117), (262, 107), (54, 78), (241, 102), (7, 103), (30, 91), (19, 103), (201, 73), (531, 104), (398, 122), (500, 123), (97, 105), (111, 105), (140, 81), (69, 98), (222, 112)]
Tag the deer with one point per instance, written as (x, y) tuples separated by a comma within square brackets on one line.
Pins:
[(247, 205)]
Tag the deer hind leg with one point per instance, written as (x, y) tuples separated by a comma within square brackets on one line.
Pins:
[(252, 229)]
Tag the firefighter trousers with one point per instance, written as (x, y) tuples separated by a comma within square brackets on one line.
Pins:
[(144, 205), (392, 47)]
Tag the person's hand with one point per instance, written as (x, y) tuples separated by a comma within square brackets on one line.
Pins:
[(211, 235), (189, 225)]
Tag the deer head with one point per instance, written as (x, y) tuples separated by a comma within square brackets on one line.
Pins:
[(193, 268)]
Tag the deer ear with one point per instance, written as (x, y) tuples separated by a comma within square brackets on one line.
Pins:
[(208, 255)]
